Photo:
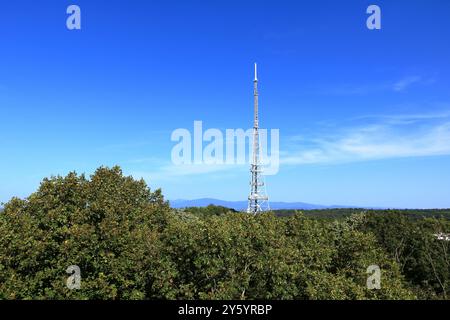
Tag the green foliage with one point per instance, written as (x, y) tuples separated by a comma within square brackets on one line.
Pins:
[(207, 211), (129, 244), (423, 259), (342, 213), (107, 225)]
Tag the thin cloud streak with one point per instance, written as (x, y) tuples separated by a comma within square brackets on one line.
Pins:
[(404, 119), (391, 138), (397, 86), (406, 82)]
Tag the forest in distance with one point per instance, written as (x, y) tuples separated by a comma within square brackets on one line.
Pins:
[(128, 243)]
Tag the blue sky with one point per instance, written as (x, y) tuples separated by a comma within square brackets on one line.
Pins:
[(364, 115)]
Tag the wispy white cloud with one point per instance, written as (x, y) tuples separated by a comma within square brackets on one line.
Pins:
[(388, 137), (398, 85), (407, 118), (406, 82)]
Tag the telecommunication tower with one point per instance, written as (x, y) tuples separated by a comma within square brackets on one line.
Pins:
[(258, 201)]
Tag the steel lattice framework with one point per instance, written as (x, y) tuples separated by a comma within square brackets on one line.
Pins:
[(258, 201)]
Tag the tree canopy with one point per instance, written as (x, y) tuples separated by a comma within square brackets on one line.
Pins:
[(129, 244)]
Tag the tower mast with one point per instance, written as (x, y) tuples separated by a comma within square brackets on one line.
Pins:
[(257, 200)]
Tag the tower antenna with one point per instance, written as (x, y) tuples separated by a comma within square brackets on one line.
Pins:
[(258, 201)]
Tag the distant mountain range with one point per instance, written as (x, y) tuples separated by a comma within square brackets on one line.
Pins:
[(242, 205)]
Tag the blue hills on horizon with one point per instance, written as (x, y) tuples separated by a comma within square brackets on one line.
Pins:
[(242, 205)]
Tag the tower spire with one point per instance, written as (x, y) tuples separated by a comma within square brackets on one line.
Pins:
[(257, 200)]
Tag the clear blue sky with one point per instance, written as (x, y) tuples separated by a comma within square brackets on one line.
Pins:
[(364, 116)]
